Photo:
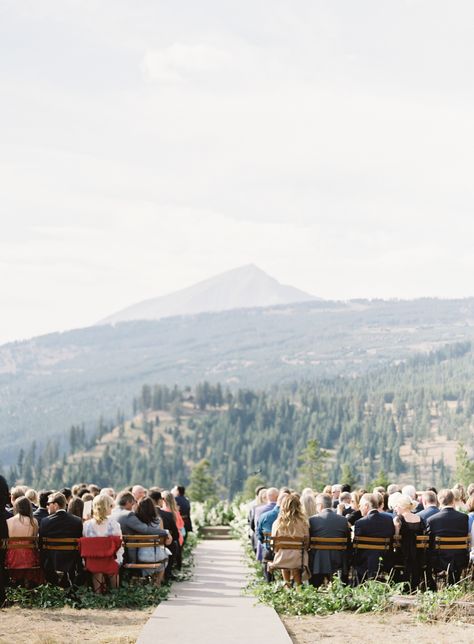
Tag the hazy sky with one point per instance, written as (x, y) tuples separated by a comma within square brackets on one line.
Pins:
[(146, 144)]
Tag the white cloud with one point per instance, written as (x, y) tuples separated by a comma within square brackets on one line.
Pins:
[(180, 61)]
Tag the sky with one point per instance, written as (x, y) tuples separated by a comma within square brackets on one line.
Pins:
[(146, 145)]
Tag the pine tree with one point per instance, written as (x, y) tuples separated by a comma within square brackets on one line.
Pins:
[(251, 483), (203, 486), (348, 476), (313, 471), (464, 472)]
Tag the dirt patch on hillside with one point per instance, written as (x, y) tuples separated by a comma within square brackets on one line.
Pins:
[(70, 626), (392, 628)]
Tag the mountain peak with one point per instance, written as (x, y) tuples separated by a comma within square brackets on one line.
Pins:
[(246, 286)]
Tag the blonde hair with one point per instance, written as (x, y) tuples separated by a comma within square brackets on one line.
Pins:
[(309, 504), (405, 502), (393, 500), (32, 496), (101, 506), (291, 516), (170, 502)]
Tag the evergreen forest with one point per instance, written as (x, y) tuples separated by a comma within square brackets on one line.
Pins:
[(402, 422)]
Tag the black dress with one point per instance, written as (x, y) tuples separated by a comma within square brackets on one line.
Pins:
[(411, 558)]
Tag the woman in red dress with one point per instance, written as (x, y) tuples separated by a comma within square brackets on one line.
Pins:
[(23, 563)]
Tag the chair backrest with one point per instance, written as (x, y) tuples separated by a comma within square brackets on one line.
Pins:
[(422, 541), (288, 543), (373, 543), (19, 543), (137, 541), (63, 544), (452, 543), (143, 540), (329, 543)]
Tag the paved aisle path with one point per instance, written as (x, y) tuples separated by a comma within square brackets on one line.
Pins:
[(210, 609)]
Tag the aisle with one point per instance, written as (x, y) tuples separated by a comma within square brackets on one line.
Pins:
[(210, 609)]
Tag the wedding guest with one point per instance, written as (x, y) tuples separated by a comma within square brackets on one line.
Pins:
[(409, 526), (4, 515), (23, 563), (291, 522), (184, 506), (327, 523), (369, 562), (60, 525), (42, 510), (448, 522), (76, 507), (103, 525), (430, 505)]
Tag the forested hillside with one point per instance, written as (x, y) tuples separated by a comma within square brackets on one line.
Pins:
[(404, 421), (51, 382)]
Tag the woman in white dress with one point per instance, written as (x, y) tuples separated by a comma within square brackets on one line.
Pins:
[(102, 525)]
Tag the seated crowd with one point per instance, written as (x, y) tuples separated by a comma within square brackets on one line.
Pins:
[(66, 537), (417, 538)]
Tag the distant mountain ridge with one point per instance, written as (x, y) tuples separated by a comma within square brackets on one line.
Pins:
[(245, 287)]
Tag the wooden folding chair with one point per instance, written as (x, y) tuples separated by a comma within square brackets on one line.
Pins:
[(442, 544), (452, 543), (373, 543), (21, 543), (61, 544), (64, 544), (384, 545), (138, 541), (329, 543), (288, 543)]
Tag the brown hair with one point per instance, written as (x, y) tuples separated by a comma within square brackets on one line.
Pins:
[(76, 507), (22, 507), (446, 497), (58, 498), (146, 510)]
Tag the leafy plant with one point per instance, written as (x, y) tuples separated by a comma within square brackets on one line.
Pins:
[(370, 597), (135, 593)]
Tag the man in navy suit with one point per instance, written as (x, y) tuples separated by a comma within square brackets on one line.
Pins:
[(60, 525), (368, 563), (448, 522), (430, 505)]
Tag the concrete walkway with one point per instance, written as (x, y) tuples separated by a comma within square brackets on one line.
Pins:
[(210, 609)]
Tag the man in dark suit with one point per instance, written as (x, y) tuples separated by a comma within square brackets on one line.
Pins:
[(60, 525), (370, 562), (184, 506), (448, 522), (327, 523), (430, 505), (42, 511)]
